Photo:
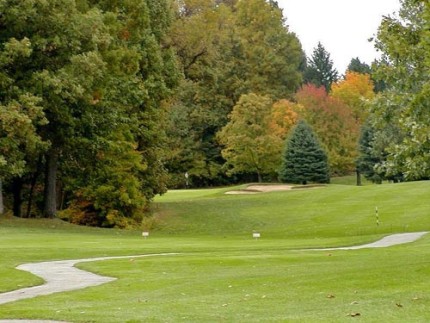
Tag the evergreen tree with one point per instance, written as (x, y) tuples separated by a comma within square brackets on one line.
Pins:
[(320, 70), (373, 157), (367, 160), (358, 66), (304, 159)]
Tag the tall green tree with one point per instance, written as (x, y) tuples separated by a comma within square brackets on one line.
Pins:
[(267, 56), (20, 115), (226, 49), (100, 72), (405, 44), (304, 159), (201, 37), (250, 146), (320, 70)]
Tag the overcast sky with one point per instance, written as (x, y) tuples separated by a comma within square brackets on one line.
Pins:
[(342, 26)]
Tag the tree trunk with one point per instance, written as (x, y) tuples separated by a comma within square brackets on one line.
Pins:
[(50, 198), (260, 180), (17, 197), (358, 177), (33, 185), (1, 198)]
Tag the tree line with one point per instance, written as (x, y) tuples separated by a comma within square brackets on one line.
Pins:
[(104, 104)]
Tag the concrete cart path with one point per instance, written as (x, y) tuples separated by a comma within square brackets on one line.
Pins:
[(62, 276), (388, 241)]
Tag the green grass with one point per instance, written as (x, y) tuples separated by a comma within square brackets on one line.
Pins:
[(349, 180), (333, 211), (223, 275)]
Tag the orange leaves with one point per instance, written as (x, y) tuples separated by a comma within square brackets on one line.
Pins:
[(284, 115), (334, 123)]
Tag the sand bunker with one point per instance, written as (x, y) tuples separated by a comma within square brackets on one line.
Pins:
[(257, 188)]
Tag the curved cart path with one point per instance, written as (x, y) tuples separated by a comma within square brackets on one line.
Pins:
[(62, 276), (388, 241)]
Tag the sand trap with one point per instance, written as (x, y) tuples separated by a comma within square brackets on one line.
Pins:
[(257, 188)]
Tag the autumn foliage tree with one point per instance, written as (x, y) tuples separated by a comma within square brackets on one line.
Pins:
[(250, 147), (356, 91), (226, 49), (284, 115), (334, 123)]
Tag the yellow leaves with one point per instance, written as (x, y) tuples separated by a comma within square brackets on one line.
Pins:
[(355, 84), (353, 91), (257, 129), (284, 115)]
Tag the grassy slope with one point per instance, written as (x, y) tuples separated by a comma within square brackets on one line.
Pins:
[(334, 211), (224, 276)]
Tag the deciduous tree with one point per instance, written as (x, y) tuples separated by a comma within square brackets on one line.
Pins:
[(226, 49), (100, 72), (404, 43), (356, 91), (334, 123), (284, 115), (250, 147)]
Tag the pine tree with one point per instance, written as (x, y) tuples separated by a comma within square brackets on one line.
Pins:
[(304, 159), (320, 70), (367, 160), (358, 66)]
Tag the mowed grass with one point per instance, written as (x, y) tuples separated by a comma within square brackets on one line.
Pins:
[(332, 211), (222, 275)]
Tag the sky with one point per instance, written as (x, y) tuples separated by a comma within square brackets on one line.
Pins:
[(342, 26)]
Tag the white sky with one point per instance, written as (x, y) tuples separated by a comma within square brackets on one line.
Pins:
[(342, 26)]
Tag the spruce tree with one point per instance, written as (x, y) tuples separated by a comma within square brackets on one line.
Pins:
[(358, 66), (320, 70), (304, 159), (367, 160)]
